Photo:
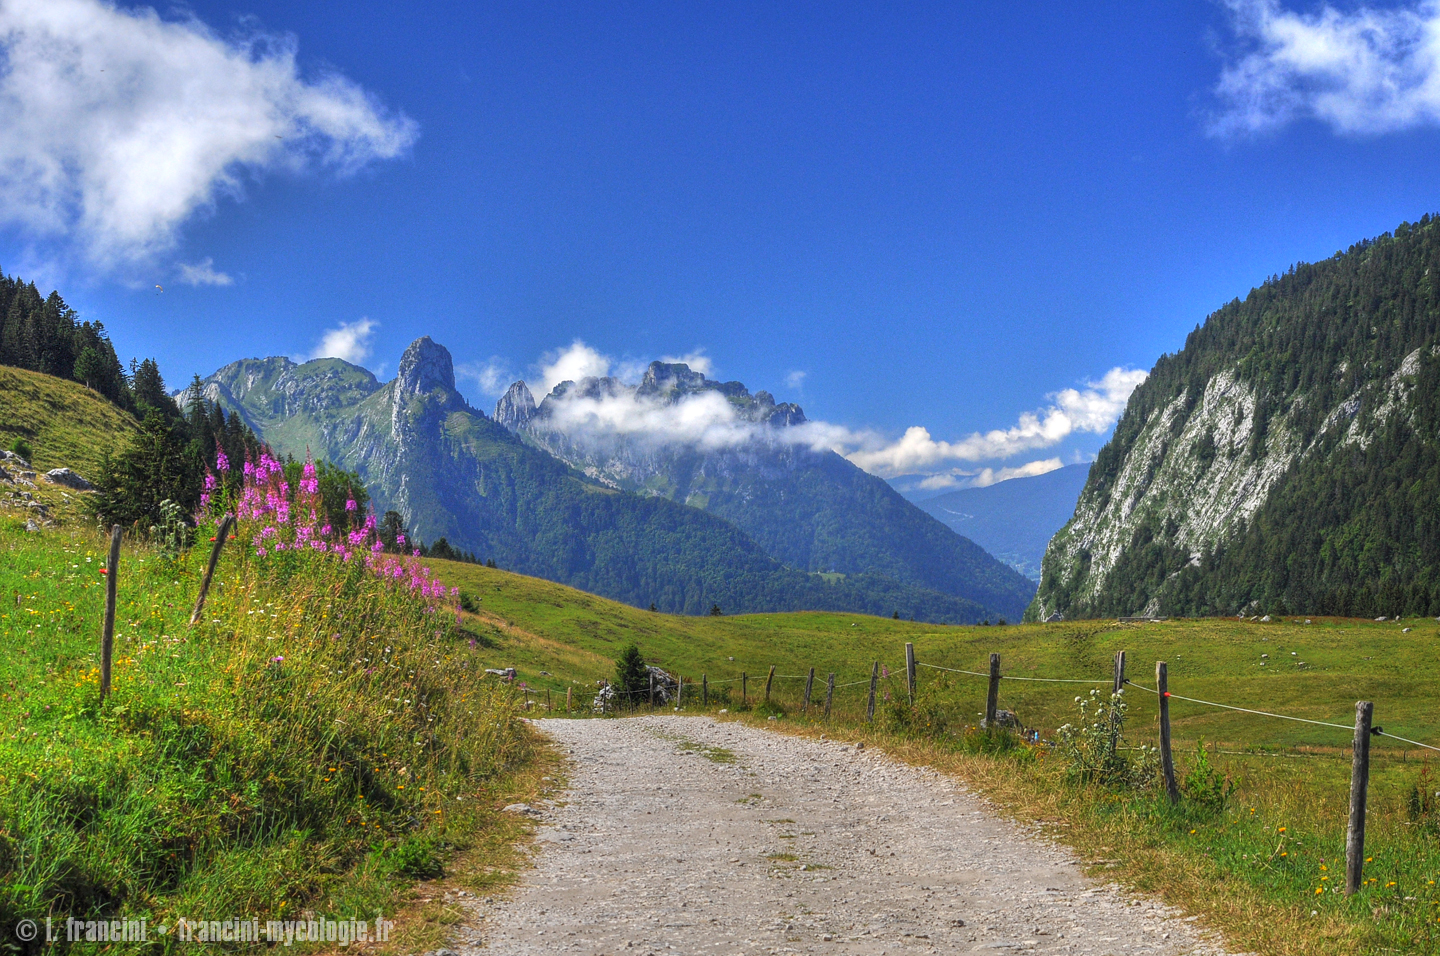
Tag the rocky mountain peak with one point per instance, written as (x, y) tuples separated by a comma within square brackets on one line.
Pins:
[(661, 378), (516, 406), (426, 365)]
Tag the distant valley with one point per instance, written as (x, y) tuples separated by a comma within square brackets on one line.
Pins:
[(1013, 520)]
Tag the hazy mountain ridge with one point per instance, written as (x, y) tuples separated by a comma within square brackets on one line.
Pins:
[(452, 472), (1287, 458), (1014, 519), (810, 509)]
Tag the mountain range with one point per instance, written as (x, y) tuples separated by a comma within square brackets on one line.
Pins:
[(1287, 459), (744, 458), (456, 473)]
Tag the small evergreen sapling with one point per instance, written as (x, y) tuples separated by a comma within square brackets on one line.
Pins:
[(632, 677)]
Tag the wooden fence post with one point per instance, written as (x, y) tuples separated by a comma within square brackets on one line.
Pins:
[(1119, 672), (220, 536), (910, 670), (1167, 759), (679, 691), (107, 636), (874, 679), (829, 694), (744, 688), (992, 696), (809, 683), (768, 678), (705, 690), (652, 690), (1359, 782), (548, 708), (567, 699)]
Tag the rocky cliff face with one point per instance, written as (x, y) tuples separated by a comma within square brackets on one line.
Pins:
[(1285, 460), (515, 407)]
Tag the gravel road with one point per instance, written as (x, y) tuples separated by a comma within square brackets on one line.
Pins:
[(688, 835)]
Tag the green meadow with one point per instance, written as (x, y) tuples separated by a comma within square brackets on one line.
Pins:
[(1264, 867)]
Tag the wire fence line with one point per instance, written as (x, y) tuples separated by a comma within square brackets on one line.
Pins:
[(824, 688)]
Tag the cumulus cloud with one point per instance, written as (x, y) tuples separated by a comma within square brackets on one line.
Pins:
[(121, 125), (708, 421), (349, 341), (1363, 71), (203, 273), (493, 376), (570, 365), (795, 379), (1092, 409), (697, 360)]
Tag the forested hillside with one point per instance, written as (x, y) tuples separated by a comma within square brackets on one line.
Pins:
[(1287, 459), (44, 335)]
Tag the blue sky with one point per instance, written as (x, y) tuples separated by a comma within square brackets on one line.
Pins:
[(931, 216)]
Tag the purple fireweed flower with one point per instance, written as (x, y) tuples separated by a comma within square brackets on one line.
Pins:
[(349, 504), (222, 462), (209, 481), (400, 540)]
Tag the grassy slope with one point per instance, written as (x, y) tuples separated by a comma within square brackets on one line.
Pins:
[(1227, 867), (278, 757), (66, 424)]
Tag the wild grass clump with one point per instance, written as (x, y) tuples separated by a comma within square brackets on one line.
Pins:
[(317, 741), (1090, 746)]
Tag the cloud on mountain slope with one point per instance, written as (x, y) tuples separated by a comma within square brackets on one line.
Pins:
[(121, 125), (709, 421), (1362, 71)]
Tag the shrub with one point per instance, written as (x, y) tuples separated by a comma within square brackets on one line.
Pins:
[(1091, 746), (21, 447), (927, 717), (1423, 801), (1204, 785), (769, 708)]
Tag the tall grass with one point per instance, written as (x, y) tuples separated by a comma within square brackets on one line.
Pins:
[(319, 740)]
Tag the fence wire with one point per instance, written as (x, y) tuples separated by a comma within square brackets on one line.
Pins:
[(1377, 731)]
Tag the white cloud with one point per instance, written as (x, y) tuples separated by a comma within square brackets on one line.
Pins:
[(121, 125), (707, 420), (1364, 71), (991, 476), (203, 273), (795, 379), (493, 376), (697, 360), (570, 365), (1092, 409), (349, 341)]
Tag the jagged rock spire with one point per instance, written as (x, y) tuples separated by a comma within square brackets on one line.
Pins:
[(426, 365), (515, 407)]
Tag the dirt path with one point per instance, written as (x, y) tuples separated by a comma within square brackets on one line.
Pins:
[(685, 835)]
